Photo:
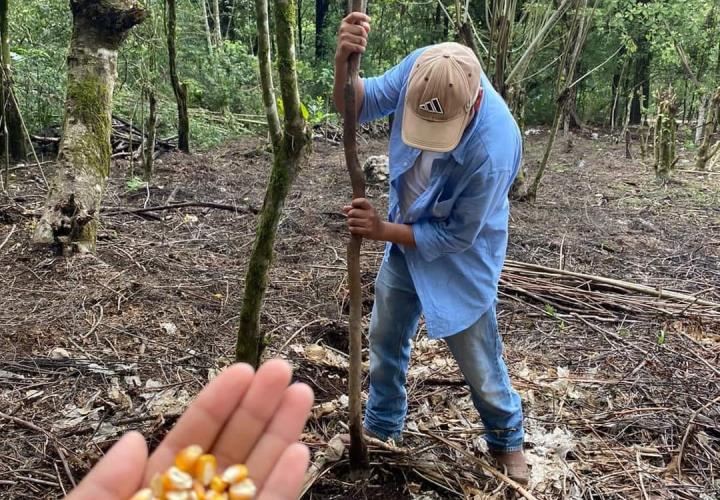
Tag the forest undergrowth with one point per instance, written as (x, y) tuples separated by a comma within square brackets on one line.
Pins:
[(621, 389)]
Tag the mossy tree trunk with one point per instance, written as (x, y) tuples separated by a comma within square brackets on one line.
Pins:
[(707, 150), (179, 88), (11, 114), (265, 63), (288, 156), (71, 212), (665, 130)]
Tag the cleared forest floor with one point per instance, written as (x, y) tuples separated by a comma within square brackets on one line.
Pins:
[(621, 397)]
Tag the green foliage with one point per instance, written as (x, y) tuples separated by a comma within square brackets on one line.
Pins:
[(550, 311), (223, 88), (135, 184)]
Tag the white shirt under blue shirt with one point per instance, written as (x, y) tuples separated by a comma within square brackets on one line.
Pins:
[(460, 219)]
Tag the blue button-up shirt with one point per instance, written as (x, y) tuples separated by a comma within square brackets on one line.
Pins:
[(460, 222)]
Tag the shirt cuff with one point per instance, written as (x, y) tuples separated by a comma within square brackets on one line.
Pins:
[(426, 240)]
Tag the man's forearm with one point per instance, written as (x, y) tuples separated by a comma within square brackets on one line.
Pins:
[(401, 234), (339, 88)]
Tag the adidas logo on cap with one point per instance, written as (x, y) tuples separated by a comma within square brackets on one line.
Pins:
[(432, 106)]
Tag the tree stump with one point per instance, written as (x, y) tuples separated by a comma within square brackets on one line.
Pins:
[(665, 129)]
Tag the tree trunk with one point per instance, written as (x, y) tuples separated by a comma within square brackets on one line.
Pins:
[(665, 128), (617, 90), (700, 127), (12, 126), (208, 31), (503, 17), (641, 79), (531, 193), (465, 33), (707, 151), (149, 146), (299, 24), (227, 18), (179, 88), (265, 63), (217, 34), (628, 113), (71, 212), (292, 149), (570, 55), (358, 450), (321, 10)]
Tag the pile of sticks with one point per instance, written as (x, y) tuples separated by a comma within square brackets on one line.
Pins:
[(598, 297), (126, 140)]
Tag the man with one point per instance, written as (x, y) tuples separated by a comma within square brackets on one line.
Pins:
[(454, 152)]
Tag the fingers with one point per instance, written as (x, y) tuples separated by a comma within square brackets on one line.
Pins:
[(362, 203), (248, 422), (206, 417), (286, 478), (283, 431), (357, 18), (118, 475), (353, 33), (357, 216), (355, 30), (352, 43)]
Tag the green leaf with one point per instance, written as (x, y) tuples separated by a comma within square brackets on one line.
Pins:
[(134, 184), (661, 337), (304, 112), (550, 311)]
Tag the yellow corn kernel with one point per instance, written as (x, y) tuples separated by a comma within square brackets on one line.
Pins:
[(244, 490), (156, 485), (235, 473), (177, 495), (198, 491), (205, 469), (216, 495), (186, 458), (218, 485), (175, 479), (144, 494)]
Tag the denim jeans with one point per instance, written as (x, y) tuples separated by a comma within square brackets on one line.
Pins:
[(477, 350)]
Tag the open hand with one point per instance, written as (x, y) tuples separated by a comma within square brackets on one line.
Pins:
[(363, 219), (240, 417)]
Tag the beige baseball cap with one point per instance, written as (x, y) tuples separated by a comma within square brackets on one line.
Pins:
[(442, 89)]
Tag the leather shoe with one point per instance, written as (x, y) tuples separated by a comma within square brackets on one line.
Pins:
[(514, 465)]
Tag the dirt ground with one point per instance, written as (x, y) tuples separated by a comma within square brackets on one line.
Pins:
[(621, 401)]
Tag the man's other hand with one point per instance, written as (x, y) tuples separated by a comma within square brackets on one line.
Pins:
[(363, 219), (352, 36)]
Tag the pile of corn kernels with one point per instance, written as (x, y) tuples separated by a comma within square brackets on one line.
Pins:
[(195, 477)]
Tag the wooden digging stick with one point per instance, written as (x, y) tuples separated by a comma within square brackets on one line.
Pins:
[(358, 450)]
